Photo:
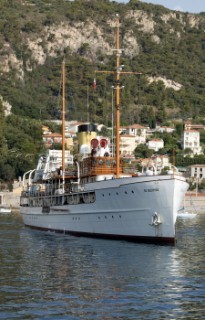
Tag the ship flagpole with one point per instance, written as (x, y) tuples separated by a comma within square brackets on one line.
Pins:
[(63, 123)]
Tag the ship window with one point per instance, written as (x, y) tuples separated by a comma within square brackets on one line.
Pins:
[(132, 191), (103, 195), (117, 193), (109, 194), (125, 192), (100, 161)]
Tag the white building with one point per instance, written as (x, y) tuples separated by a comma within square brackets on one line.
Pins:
[(191, 139), (165, 129), (196, 171), (127, 144), (136, 130), (161, 161), (155, 144), (157, 161)]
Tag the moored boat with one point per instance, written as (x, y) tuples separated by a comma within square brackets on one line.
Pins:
[(97, 196), (5, 210)]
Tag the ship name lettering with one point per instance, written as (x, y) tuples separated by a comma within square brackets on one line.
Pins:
[(151, 190)]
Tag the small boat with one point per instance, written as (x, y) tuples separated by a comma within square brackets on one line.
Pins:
[(96, 195), (185, 214), (4, 210)]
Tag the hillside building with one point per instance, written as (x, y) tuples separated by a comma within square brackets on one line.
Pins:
[(196, 171), (191, 139), (127, 145), (155, 144), (137, 131), (189, 126)]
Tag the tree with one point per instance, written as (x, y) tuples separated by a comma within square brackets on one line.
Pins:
[(142, 151), (188, 151), (104, 132), (179, 128)]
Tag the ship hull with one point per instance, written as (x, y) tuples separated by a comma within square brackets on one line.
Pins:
[(142, 209)]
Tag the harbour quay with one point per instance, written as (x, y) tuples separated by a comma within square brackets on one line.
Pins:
[(194, 202)]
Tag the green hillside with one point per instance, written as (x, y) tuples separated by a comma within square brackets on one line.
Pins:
[(160, 43)]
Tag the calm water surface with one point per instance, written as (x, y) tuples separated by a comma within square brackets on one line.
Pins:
[(49, 276)]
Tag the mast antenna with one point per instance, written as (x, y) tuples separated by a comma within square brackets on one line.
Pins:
[(63, 122)]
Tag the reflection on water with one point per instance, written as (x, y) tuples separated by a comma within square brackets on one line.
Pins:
[(50, 276)]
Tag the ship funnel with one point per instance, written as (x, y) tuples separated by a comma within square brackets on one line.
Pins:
[(86, 133)]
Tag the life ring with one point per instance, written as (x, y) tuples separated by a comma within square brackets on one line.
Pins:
[(92, 197), (76, 199), (70, 199), (86, 197)]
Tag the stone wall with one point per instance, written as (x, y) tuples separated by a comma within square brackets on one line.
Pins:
[(11, 199), (194, 202)]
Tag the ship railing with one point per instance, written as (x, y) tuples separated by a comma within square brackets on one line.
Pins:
[(59, 199), (58, 173), (130, 170), (93, 166), (71, 173)]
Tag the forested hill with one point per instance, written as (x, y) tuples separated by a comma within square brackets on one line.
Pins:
[(168, 47)]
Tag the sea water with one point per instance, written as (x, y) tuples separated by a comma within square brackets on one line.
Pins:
[(44, 275)]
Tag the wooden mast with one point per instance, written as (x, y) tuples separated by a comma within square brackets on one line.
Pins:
[(63, 122), (117, 99), (117, 73)]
